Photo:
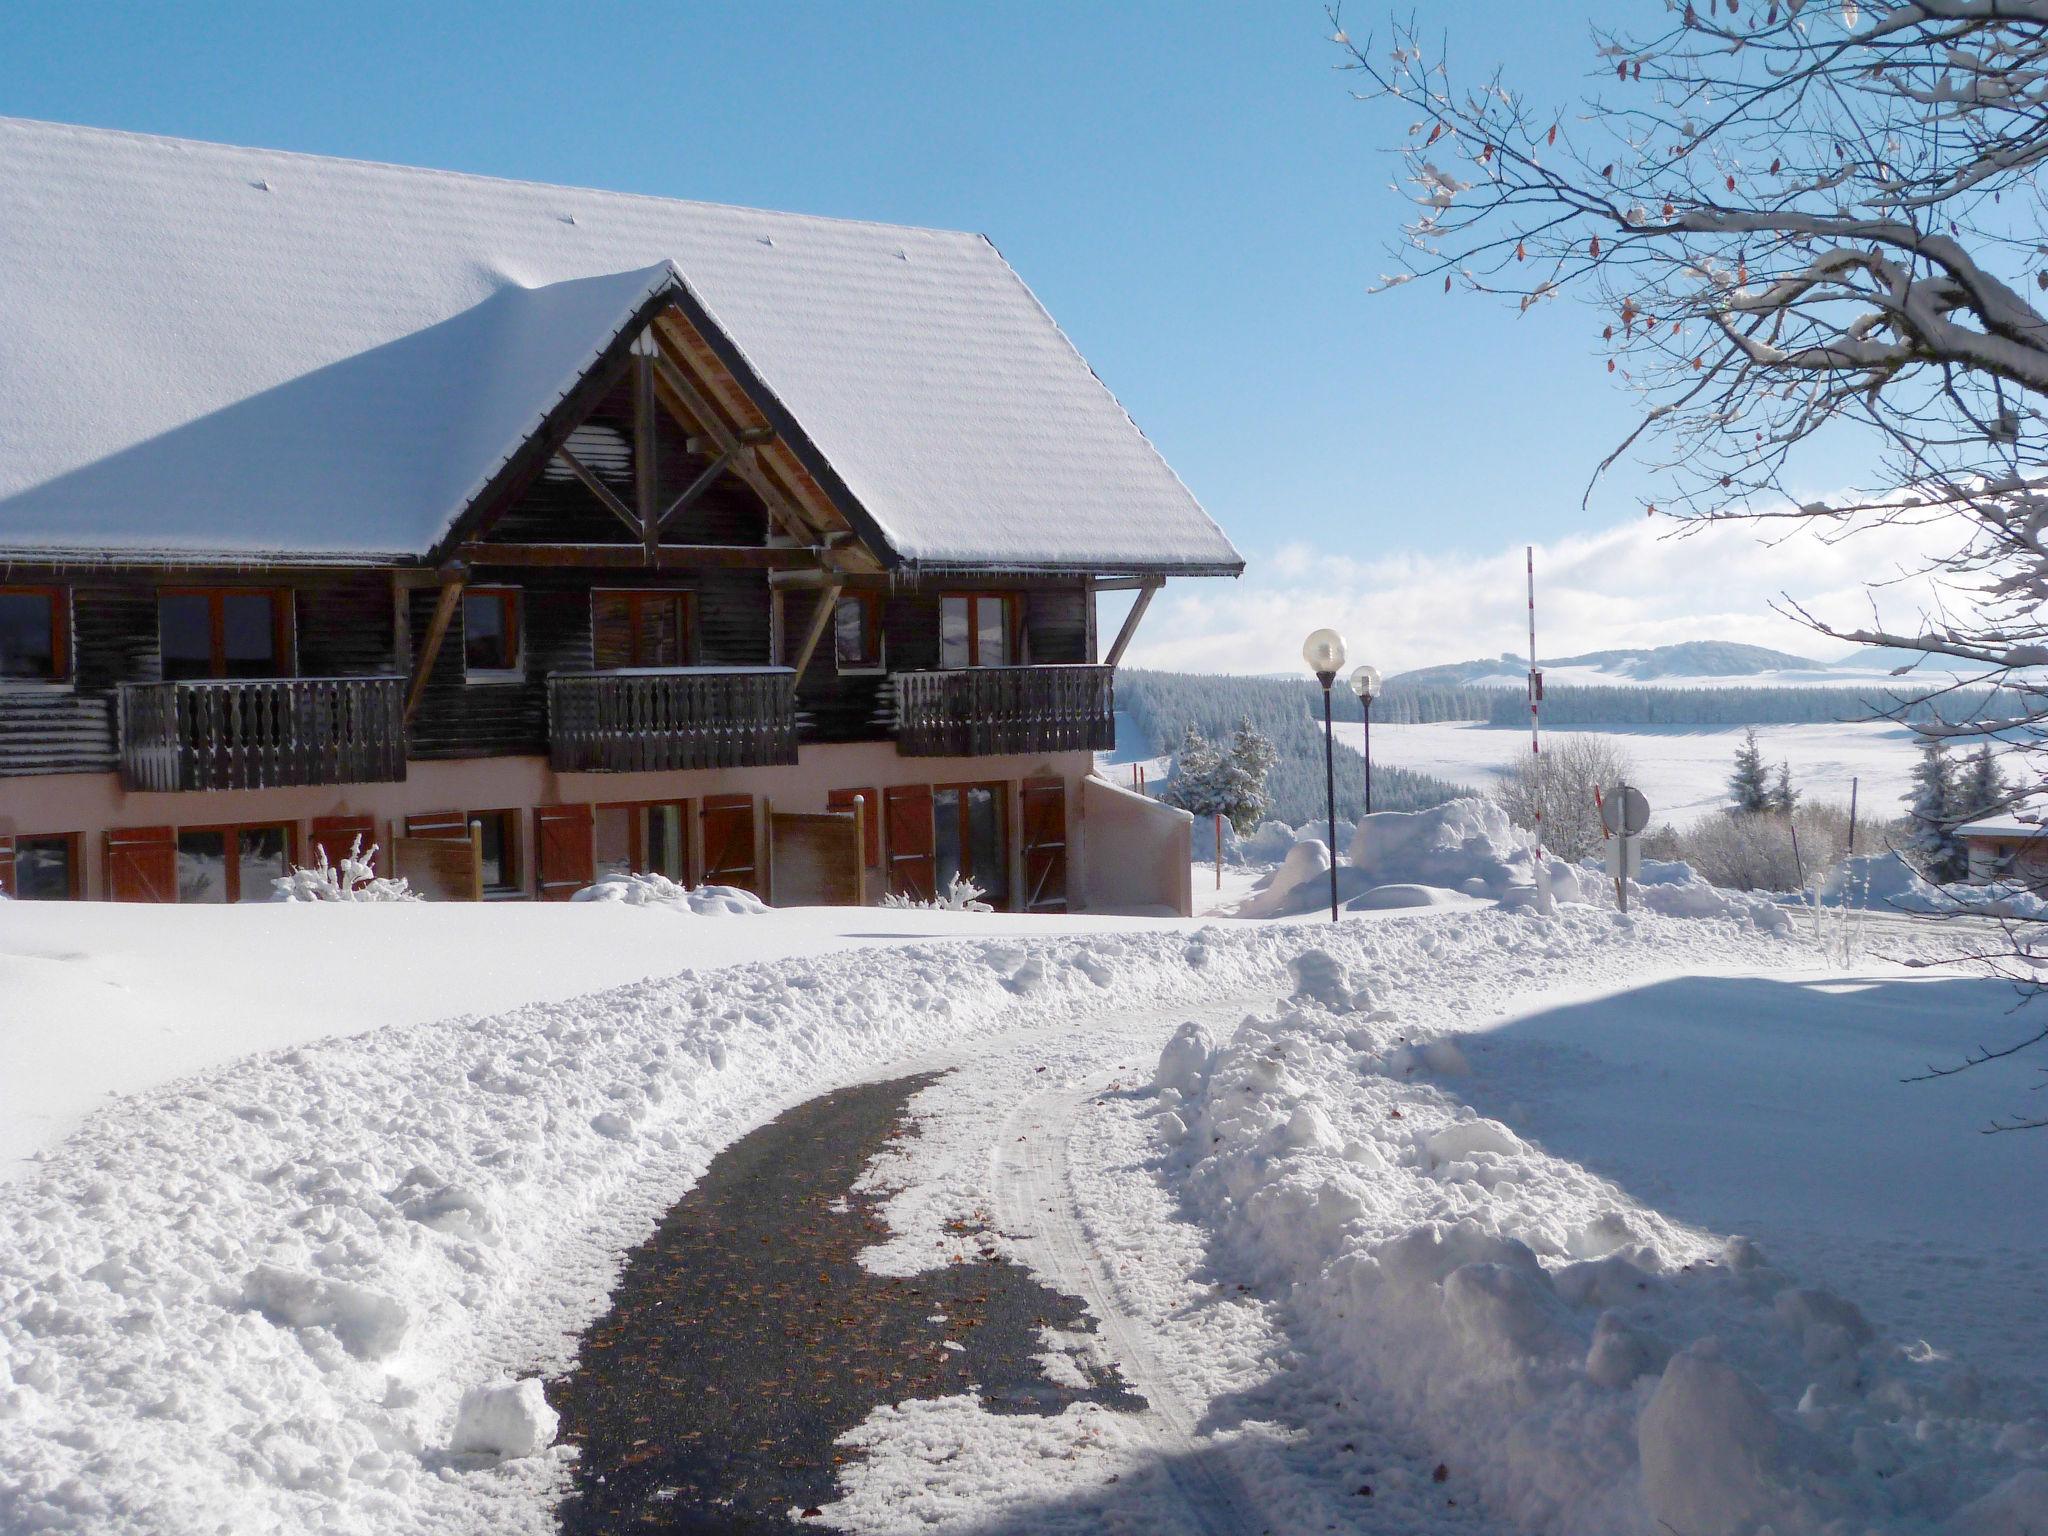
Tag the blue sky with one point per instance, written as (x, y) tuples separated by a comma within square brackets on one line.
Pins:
[(1189, 188)]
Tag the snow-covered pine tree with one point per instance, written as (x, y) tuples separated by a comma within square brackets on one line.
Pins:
[(1783, 798), (1252, 756), (1980, 787), (1931, 842), (1198, 770), (1747, 786)]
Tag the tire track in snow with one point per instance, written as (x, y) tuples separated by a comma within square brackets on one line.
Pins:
[(1036, 1208)]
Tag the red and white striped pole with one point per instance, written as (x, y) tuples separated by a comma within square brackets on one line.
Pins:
[(1535, 709)]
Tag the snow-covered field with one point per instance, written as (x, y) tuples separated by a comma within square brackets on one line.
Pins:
[(1683, 769), (1454, 1189)]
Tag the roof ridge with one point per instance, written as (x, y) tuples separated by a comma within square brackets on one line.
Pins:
[(357, 162)]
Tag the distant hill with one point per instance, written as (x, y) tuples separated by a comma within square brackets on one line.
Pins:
[(1690, 659)]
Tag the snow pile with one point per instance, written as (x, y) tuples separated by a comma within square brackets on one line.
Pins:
[(1298, 883), (504, 1418), (1880, 881), (1467, 845), (660, 891), (1580, 1363)]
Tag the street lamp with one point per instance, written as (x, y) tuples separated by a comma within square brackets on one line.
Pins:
[(1324, 653), (1365, 682)]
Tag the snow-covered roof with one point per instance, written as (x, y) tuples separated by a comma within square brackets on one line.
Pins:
[(207, 350), (2001, 826)]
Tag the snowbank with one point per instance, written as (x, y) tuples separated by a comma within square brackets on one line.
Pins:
[(1880, 881), (1581, 1362), (660, 891)]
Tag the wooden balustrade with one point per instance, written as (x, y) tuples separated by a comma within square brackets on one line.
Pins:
[(661, 720), (981, 711), (262, 733)]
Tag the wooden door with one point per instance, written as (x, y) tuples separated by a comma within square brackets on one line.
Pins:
[(1045, 845), (335, 835), (726, 835), (564, 839), (871, 819), (911, 854), (142, 864)]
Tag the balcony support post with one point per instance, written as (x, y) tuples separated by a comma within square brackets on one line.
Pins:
[(828, 605), (1131, 619), (437, 631)]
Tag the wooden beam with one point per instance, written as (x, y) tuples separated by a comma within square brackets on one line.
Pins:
[(735, 444), (597, 487), (1123, 636), (667, 557), (695, 488), (437, 631), (828, 604), (751, 437), (643, 452)]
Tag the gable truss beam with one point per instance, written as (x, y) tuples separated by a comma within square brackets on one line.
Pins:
[(597, 488), (738, 446)]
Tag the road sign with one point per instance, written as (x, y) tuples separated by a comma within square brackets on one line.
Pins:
[(1624, 811)]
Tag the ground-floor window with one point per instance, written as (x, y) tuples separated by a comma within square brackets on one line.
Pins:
[(229, 864), (643, 840), (47, 868), (968, 838)]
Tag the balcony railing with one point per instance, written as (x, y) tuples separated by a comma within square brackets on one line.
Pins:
[(980, 711), (262, 733), (661, 719)]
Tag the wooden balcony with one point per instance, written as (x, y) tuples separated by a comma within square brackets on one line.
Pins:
[(262, 733), (658, 720), (981, 711)]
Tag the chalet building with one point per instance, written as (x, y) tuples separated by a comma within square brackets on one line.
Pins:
[(2003, 847), (345, 500)]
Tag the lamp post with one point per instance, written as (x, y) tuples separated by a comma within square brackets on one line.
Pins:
[(1365, 682), (1324, 653)]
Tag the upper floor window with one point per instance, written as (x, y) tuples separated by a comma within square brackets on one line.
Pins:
[(977, 629), (857, 633), (34, 635), (490, 631), (223, 632), (643, 629)]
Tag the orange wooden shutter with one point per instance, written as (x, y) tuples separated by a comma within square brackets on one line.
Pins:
[(335, 835), (871, 825), (565, 840), (727, 838), (912, 858), (437, 824), (142, 864), (6, 866), (1045, 845)]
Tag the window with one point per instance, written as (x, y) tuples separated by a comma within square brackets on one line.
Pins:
[(968, 840), (228, 864), (857, 633), (643, 629), (222, 633), (642, 840), (977, 629), (47, 868), (34, 635), (490, 631), (500, 852)]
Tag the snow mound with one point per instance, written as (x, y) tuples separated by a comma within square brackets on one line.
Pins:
[(505, 1419), (660, 891), (1184, 1063), (367, 1324), (1401, 895), (1463, 844), (1878, 881), (1709, 1449), (1286, 889)]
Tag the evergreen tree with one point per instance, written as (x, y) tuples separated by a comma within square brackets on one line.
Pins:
[(1252, 756), (1747, 786), (1783, 798), (1980, 788), (1931, 841), (1196, 784)]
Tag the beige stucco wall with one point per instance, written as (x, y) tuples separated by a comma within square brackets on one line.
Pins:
[(91, 804), (1138, 855)]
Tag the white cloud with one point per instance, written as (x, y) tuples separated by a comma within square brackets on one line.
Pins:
[(1636, 584)]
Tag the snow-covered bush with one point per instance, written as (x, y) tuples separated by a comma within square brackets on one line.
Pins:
[(660, 891), (961, 895), (353, 879)]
